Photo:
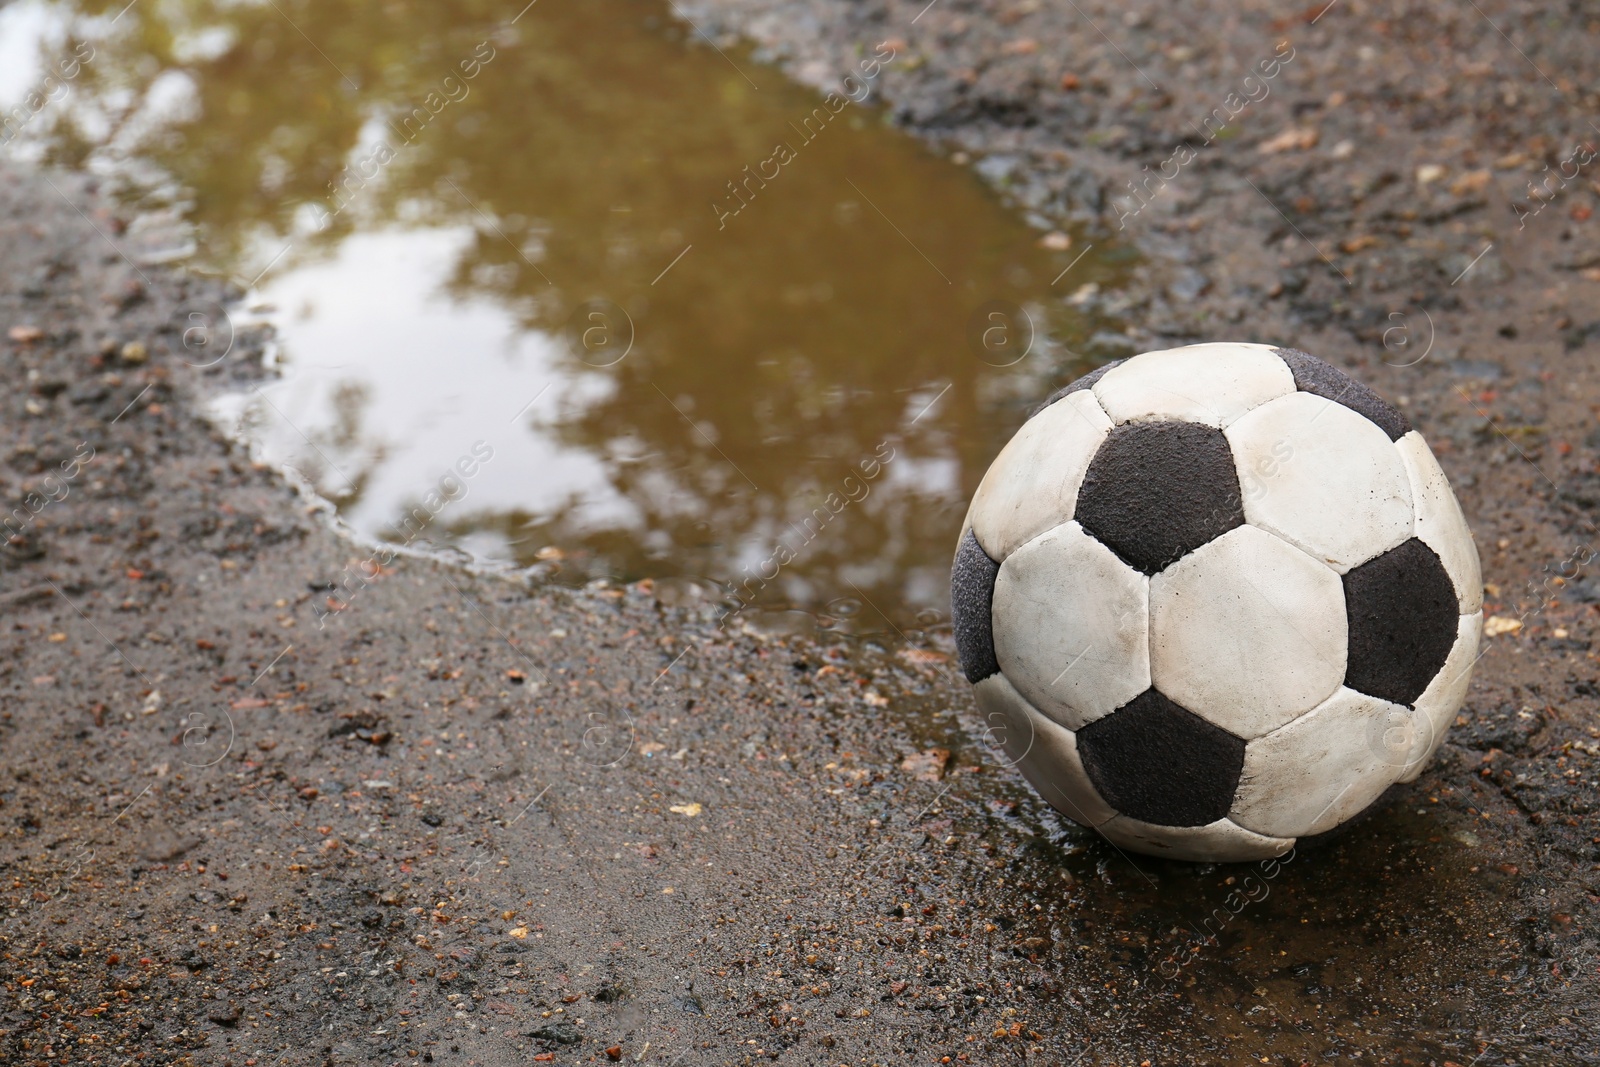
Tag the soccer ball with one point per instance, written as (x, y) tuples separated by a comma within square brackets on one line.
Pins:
[(1215, 600)]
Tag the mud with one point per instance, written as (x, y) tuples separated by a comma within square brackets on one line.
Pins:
[(464, 820)]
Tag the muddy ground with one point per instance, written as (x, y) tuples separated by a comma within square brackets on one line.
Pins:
[(467, 821)]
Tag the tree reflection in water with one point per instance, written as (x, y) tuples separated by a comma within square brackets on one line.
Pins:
[(571, 158)]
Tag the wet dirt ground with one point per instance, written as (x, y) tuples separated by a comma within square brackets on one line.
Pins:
[(466, 821)]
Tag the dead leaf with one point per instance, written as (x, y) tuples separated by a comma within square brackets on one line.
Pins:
[(1297, 138), (1473, 181), (926, 766)]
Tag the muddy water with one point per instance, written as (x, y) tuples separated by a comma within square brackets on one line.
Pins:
[(580, 291)]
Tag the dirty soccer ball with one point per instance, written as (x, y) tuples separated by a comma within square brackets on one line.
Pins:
[(1215, 600)]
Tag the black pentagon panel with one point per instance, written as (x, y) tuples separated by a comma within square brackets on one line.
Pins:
[(1385, 799), (1315, 376), (1162, 763), (1403, 619), (1086, 382), (1157, 491), (971, 606)]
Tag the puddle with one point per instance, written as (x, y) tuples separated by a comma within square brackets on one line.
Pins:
[(631, 305)]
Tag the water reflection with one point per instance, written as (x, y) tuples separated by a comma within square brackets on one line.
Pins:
[(681, 301)]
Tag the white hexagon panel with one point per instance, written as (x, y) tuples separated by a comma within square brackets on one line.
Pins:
[(1045, 752), (1446, 692), (1223, 841), (1439, 522), (1074, 666), (1314, 773), (1247, 631), (1210, 384), (1323, 478), (1033, 484)]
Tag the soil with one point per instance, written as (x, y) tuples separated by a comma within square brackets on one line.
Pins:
[(467, 820)]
